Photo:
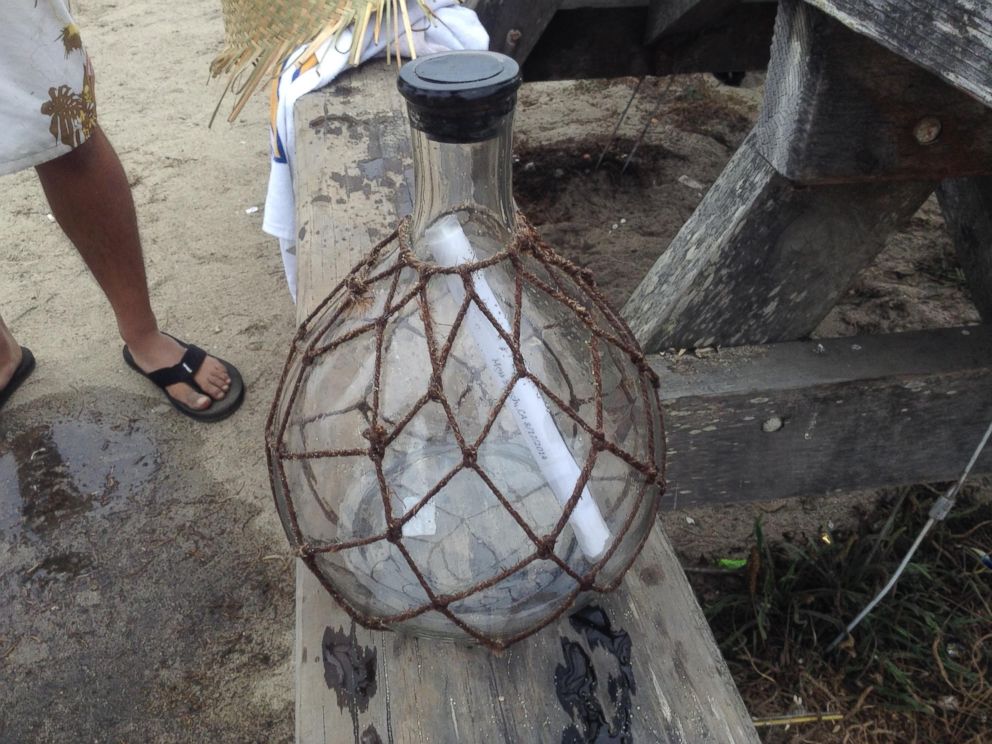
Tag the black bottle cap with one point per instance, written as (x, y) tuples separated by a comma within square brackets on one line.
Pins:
[(459, 96)]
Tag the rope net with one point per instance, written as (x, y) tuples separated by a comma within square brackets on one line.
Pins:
[(396, 458)]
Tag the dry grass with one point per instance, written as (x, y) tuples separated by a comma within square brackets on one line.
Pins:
[(916, 670)]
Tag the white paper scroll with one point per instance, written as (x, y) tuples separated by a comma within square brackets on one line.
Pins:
[(450, 246)]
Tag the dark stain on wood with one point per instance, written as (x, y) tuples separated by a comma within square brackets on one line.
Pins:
[(370, 736), (652, 575), (341, 90), (331, 123), (576, 681), (349, 670), (381, 170), (372, 169), (352, 184)]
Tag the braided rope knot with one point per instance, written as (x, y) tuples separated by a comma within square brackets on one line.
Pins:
[(376, 436)]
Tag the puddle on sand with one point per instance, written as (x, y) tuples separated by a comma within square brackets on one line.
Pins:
[(54, 472)]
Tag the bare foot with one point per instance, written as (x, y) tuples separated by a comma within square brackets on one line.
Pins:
[(158, 351)]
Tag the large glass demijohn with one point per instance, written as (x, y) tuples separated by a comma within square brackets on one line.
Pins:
[(467, 441)]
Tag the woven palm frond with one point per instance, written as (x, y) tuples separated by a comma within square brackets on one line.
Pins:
[(260, 33)]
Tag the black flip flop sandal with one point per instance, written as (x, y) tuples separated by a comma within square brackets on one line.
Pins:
[(23, 372), (183, 372)]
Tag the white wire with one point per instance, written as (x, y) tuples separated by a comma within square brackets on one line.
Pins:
[(885, 590), (938, 511)]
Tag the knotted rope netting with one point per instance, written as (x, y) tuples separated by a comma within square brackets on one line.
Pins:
[(603, 397)]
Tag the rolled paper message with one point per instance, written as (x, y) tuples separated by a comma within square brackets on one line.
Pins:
[(450, 246)]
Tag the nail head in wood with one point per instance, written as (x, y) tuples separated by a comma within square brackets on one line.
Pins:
[(772, 425), (927, 130)]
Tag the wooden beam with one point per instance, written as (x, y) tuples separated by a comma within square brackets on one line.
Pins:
[(589, 43), (839, 107), (680, 16), (361, 687), (808, 417), (586, 43), (739, 39), (762, 259), (573, 4), (515, 26), (967, 207), (951, 38)]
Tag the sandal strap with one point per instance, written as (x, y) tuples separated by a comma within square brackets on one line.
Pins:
[(183, 371)]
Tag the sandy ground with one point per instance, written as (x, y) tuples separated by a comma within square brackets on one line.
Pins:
[(140, 598), (146, 596)]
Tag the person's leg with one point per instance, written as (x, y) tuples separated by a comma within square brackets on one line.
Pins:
[(91, 199), (10, 355)]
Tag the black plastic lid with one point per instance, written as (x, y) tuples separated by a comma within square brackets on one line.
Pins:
[(459, 96)]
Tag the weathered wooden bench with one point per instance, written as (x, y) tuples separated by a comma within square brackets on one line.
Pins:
[(869, 107)]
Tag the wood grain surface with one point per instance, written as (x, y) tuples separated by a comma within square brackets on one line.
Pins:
[(967, 207), (951, 38), (807, 417), (840, 107), (762, 259)]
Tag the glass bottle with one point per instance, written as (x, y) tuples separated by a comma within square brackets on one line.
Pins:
[(513, 446)]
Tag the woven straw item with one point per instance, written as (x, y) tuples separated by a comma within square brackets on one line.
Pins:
[(261, 33)]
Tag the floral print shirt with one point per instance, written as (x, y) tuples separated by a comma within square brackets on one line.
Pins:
[(47, 98)]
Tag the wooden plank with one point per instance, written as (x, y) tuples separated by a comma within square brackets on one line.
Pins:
[(852, 110), (365, 687), (411, 690), (803, 418), (762, 259), (587, 43), (740, 39), (333, 205), (573, 4), (680, 16), (515, 26), (967, 207), (951, 38)]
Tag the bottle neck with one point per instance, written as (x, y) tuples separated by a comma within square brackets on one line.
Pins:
[(464, 177)]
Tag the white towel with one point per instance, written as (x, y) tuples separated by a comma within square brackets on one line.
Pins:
[(455, 27)]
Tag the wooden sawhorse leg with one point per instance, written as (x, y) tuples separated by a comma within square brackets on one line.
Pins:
[(851, 140), (967, 207)]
